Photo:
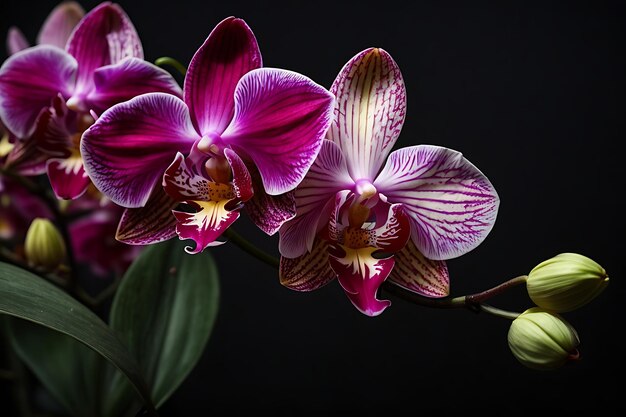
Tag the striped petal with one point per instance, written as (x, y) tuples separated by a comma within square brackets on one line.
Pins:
[(129, 78), (452, 205), (309, 271), (29, 80), (67, 177), (327, 176), (60, 23), (280, 121), (56, 125), (419, 274), (360, 275), (210, 220), (269, 212), (369, 112), (16, 41), (230, 51), (152, 223), (25, 158), (242, 180), (104, 36), (128, 149)]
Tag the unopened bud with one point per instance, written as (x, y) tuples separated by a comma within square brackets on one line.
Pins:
[(44, 247), (566, 282), (542, 340)]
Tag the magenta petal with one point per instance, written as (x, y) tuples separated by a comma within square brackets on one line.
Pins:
[(325, 178), (269, 212), (369, 112), (55, 128), (16, 41), (242, 180), (152, 223), (419, 274), (26, 158), (360, 275), (309, 271), (206, 225), (280, 121), (104, 36), (94, 244), (228, 53), (129, 147), (127, 79), (29, 80), (452, 205), (68, 177), (60, 23)]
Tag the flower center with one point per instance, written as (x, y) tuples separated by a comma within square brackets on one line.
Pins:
[(356, 237), (220, 191), (216, 166)]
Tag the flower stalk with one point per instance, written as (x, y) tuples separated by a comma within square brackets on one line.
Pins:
[(473, 302)]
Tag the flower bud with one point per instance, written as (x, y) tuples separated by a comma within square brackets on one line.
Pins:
[(566, 282), (542, 340), (44, 247)]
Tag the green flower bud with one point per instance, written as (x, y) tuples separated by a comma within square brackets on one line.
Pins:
[(542, 340), (566, 282), (44, 247)]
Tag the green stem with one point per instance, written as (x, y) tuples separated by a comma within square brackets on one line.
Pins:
[(510, 315), (472, 302), (166, 60), (250, 248)]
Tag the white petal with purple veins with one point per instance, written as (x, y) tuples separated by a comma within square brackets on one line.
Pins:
[(453, 206), (325, 178), (369, 111)]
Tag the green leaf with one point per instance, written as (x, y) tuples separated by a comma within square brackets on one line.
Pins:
[(68, 369), (164, 311), (27, 296)]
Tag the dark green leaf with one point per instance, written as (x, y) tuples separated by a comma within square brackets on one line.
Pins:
[(27, 296), (68, 369), (164, 311)]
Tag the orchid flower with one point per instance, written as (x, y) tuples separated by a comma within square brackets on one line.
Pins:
[(56, 29), (50, 96), (362, 222), (23, 157), (241, 134)]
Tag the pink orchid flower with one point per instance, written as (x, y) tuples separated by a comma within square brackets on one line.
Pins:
[(50, 95), (56, 29), (241, 135), (362, 222), (22, 157)]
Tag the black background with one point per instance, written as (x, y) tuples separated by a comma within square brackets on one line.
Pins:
[(533, 94)]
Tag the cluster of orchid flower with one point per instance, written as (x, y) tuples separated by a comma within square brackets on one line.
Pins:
[(120, 140)]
